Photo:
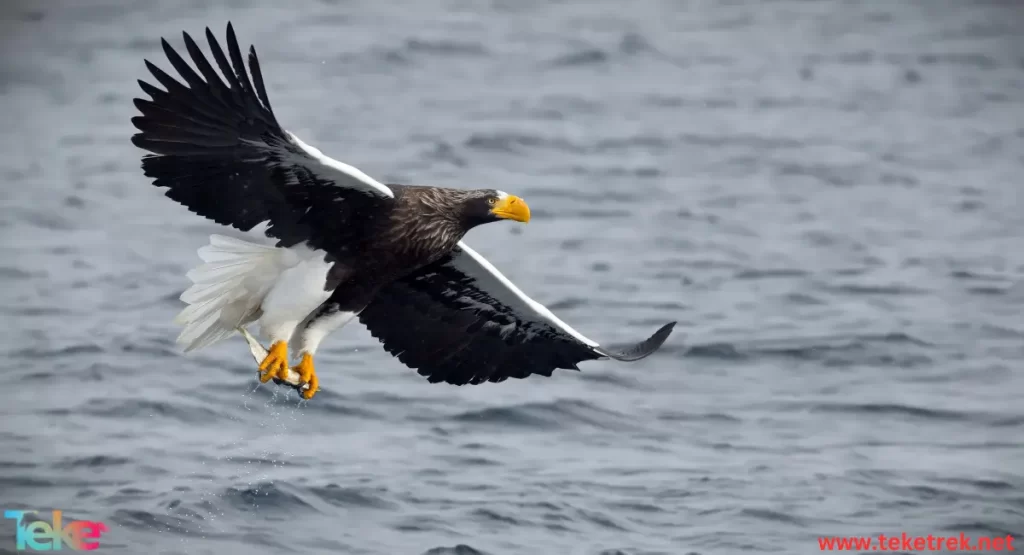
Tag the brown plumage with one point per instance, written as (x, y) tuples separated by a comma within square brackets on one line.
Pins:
[(423, 224), (339, 244)]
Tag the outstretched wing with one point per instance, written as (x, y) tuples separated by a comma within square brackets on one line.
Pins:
[(461, 321), (219, 150)]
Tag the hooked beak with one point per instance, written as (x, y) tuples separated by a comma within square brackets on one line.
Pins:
[(512, 208)]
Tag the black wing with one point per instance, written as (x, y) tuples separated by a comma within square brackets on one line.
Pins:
[(461, 321), (220, 151)]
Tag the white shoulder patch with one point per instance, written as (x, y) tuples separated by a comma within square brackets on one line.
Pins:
[(340, 173), (495, 283)]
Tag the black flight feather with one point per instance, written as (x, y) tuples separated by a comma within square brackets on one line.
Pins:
[(218, 149)]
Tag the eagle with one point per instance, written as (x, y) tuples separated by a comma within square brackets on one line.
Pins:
[(328, 244)]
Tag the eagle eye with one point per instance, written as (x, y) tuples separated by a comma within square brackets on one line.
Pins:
[(491, 201)]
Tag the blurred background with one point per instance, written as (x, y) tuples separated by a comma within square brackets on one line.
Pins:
[(826, 195)]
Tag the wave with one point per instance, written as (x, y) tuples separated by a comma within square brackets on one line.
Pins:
[(136, 408), (92, 461), (680, 416), (585, 57), (869, 289), (773, 516), (603, 149), (163, 523), (459, 549), (899, 410), (446, 47), (513, 142), (889, 409), (984, 484), (267, 495), (856, 347), (74, 350), (550, 415), (361, 497), (769, 273)]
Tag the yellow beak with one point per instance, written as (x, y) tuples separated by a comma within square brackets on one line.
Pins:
[(512, 208)]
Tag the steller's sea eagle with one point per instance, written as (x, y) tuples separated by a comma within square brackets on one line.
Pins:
[(335, 243)]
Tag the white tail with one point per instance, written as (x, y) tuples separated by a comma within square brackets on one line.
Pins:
[(228, 289)]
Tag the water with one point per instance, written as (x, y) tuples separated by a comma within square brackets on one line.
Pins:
[(825, 195)]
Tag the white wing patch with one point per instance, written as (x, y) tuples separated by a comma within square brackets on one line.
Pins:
[(500, 287), (340, 173)]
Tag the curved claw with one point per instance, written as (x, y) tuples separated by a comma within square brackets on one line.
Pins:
[(307, 375), (275, 365)]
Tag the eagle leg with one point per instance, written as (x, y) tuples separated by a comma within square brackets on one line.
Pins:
[(275, 365), (307, 375)]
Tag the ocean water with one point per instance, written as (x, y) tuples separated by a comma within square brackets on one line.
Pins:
[(826, 195)]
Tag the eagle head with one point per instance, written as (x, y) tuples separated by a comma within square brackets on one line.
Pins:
[(489, 205)]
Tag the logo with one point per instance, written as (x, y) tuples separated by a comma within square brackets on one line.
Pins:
[(39, 535)]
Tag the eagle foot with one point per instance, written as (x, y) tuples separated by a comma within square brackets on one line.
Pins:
[(307, 375), (275, 365)]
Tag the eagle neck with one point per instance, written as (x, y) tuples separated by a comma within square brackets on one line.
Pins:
[(424, 226)]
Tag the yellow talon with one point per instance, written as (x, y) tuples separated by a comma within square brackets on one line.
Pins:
[(307, 374), (276, 363)]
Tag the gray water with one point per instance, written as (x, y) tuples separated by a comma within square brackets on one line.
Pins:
[(825, 195)]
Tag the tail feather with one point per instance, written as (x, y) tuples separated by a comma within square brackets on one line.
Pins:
[(202, 292), (218, 272), (204, 332), (227, 289)]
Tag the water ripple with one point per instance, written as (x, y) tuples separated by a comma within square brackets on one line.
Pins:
[(833, 219)]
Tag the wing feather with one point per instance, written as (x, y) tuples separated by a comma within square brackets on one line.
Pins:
[(218, 149), (461, 321), (472, 263)]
